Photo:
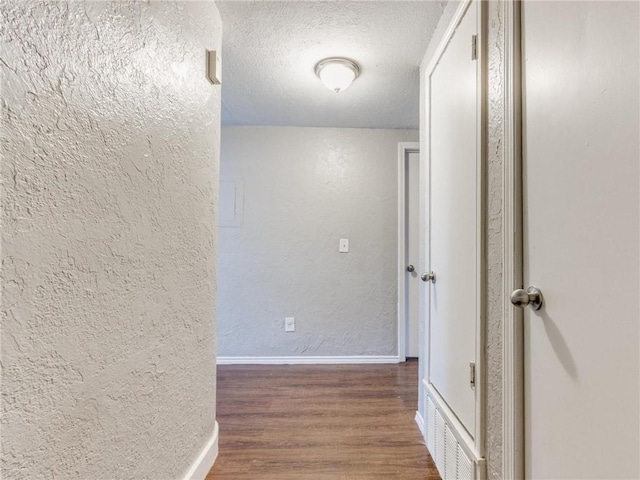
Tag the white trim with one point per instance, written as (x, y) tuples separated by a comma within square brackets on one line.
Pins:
[(512, 319), (425, 235), (420, 422), (354, 359), (404, 148), (455, 21), (477, 445), (482, 142), (203, 464)]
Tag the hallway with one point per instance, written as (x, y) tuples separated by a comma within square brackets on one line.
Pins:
[(320, 422), (204, 212)]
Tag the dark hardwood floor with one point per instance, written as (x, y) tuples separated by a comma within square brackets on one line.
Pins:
[(303, 422)]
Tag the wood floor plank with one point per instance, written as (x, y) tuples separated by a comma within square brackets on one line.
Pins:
[(320, 422)]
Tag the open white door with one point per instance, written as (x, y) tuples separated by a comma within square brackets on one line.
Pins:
[(581, 238)]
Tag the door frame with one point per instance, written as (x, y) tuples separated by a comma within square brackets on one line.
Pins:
[(404, 149), (474, 446), (512, 267)]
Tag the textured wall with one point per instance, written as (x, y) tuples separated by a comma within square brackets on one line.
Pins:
[(109, 141), (304, 188), (495, 300)]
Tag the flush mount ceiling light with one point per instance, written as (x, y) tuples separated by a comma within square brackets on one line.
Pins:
[(337, 73)]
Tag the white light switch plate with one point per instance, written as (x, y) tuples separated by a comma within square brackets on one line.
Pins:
[(289, 324), (344, 245)]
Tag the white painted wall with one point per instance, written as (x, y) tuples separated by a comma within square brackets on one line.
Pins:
[(110, 142), (304, 189)]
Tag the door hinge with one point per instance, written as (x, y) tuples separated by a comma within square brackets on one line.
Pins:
[(474, 47), (472, 374)]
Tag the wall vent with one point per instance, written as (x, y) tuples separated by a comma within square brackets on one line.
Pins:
[(431, 427), (440, 443), (450, 455), (450, 458), (465, 467)]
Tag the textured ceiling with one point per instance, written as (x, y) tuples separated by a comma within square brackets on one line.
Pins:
[(270, 49)]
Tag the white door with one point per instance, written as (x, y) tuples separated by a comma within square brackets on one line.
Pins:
[(412, 252), (454, 221), (581, 240)]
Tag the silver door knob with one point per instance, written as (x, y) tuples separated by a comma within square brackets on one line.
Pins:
[(532, 297), (428, 277), (411, 268)]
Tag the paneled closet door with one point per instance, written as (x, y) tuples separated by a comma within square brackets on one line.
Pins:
[(454, 228)]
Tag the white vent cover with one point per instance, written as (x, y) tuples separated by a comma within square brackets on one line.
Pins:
[(440, 443), (465, 467), (447, 453), (431, 427), (450, 455)]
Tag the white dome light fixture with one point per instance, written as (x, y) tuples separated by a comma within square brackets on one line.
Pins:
[(337, 73)]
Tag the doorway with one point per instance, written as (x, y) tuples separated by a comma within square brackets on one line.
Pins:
[(408, 250), (453, 135)]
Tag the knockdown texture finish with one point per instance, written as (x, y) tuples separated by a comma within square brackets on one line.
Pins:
[(109, 140), (304, 189), (496, 302), (273, 47)]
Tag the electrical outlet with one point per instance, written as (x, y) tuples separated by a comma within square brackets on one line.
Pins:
[(289, 324)]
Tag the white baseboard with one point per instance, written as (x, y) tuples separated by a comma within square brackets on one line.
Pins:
[(420, 421), (206, 459), (354, 359)]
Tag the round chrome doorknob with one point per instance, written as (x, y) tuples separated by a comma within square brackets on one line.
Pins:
[(428, 277), (532, 297), (411, 268)]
